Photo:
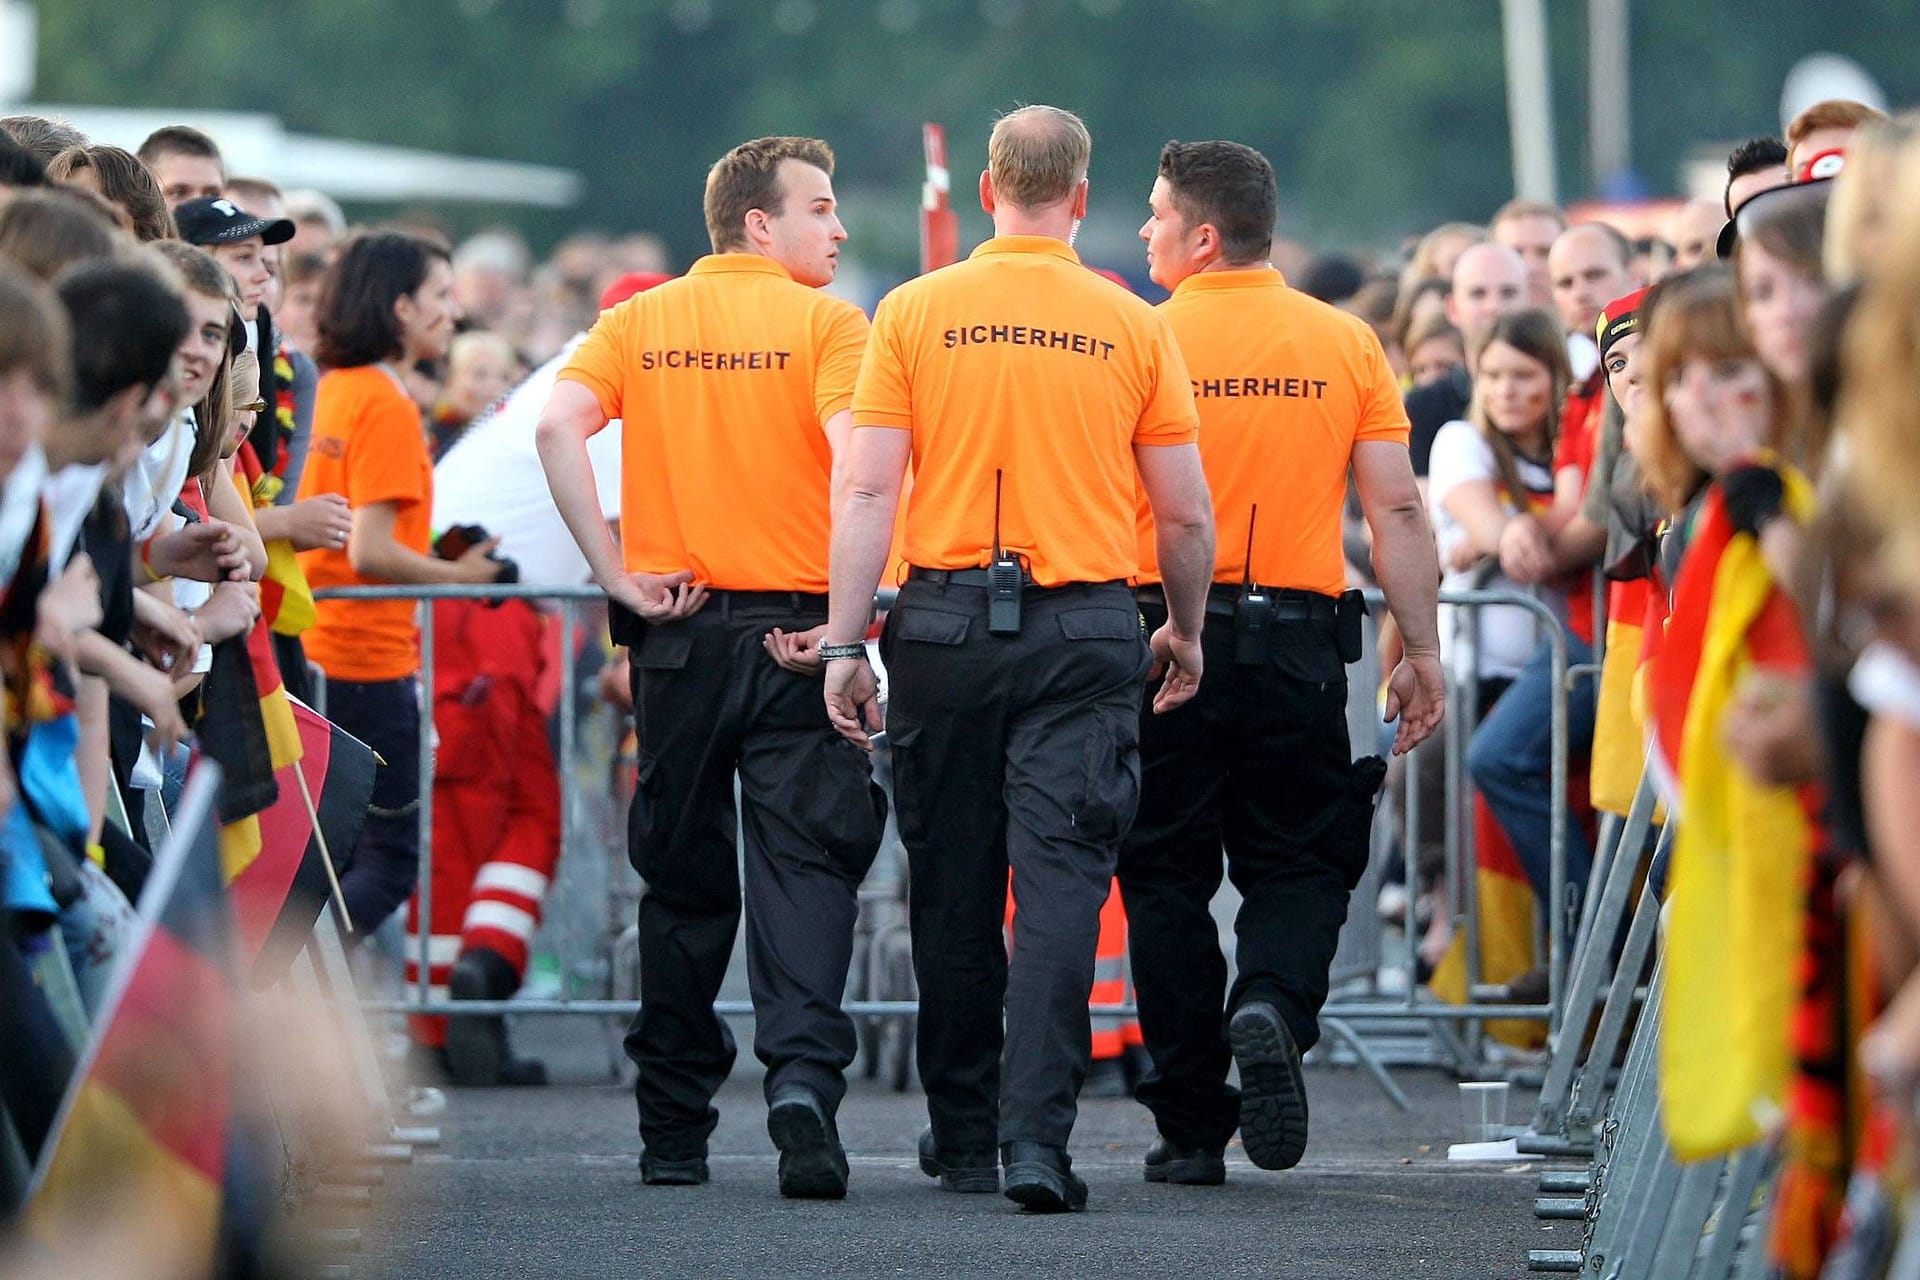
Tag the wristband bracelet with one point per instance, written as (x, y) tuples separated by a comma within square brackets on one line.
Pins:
[(146, 562), (828, 652)]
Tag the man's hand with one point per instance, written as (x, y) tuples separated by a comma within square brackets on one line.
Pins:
[(1417, 698), (659, 597), (1180, 659), (796, 651), (207, 552), (616, 681), (853, 700), (151, 691), (1524, 553), (230, 611), (67, 606), (165, 636), (476, 563), (319, 523), (1770, 729)]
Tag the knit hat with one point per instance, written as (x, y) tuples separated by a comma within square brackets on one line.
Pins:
[(1618, 319)]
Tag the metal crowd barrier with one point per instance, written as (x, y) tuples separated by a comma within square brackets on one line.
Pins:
[(1643, 1213), (1371, 1020), (1355, 1022)]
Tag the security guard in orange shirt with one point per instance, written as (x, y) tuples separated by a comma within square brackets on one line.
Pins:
[(1032, 397), (1293, 395), (733, 384)]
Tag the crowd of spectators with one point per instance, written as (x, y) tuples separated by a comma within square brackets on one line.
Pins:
[(1594, 418)]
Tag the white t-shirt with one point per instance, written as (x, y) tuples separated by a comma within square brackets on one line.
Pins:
[(1506, 634), (492, 477), (157, 476)]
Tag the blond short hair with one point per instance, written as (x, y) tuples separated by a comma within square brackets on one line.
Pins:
[(1037, 155), (748, 178)]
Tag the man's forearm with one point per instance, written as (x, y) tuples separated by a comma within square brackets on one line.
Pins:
[(862, 535), (563, 456), (1186, 571), (1407, 566)]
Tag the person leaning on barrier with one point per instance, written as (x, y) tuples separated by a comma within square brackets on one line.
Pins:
[(733, 384), (1293, 395), (386, 304), (1032, 396)]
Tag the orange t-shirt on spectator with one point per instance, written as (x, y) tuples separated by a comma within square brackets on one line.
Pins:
[(722, 380), (1286, 386), (1020, 360), (368, 446)]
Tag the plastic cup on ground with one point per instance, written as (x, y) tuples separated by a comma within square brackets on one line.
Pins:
[(1483, 1110)]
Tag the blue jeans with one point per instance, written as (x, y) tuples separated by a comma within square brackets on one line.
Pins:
[(379, 875), (1511, 761)]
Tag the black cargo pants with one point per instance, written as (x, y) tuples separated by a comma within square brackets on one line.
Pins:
[(1258, 762), (1013, 751), (709, 704)]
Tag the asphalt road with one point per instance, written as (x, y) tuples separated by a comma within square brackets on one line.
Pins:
[(542, 1184)]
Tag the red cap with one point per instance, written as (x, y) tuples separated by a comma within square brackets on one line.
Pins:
[(1114, 276), (1618, 319), (632, 282), (1822, 164)]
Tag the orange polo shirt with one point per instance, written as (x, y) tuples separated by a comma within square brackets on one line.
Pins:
[(1021, 360), (1286, 385), (722, 380), (368, 446)]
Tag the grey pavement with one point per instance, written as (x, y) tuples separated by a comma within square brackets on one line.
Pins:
[(544, 1183)]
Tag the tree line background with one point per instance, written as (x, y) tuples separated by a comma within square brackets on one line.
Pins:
[(1382, 117)]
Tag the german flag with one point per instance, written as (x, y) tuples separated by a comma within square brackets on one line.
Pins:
[(1738, 883), (1508, 915), (149, 1120), (284, 889), (286, 601)]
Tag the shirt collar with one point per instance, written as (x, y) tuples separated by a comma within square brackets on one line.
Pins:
[(1027, 244), (1232, 278), (716, 263)]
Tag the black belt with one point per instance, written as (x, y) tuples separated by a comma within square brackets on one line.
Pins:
[(1289, 604), (786, 601), (978, 578)]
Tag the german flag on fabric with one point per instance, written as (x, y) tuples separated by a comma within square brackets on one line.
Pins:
[(147, 1125), (1738, 882), (1619, 743), (1508, 913), (286, 601), (280, 896)]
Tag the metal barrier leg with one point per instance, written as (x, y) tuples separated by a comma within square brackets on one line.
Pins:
[(1592, 960), (1340, 1030), (1588, 1099), (1618, 1155), (1678, 1246), (1749, 1168)]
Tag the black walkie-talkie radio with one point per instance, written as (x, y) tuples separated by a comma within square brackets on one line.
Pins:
[(1252, 611), (1003, 579)]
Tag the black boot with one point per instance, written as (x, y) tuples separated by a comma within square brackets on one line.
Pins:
[(477, 1049)]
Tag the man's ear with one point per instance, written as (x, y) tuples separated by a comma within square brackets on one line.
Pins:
[(755, 228), (1080, 199), (986, 191)]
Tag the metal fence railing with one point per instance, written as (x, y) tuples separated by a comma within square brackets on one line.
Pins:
[(1360, 948)]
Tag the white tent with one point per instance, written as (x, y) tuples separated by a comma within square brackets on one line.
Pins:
[(259, 146)]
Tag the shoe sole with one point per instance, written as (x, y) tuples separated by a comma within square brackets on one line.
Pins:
[(473, 1047), (1198, 1171), (1273, 1097), (964, 1179), (811, 1164), (1040, 1188), (675, 1174)]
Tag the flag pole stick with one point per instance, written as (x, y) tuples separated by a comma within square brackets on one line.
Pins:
[(326, 854)]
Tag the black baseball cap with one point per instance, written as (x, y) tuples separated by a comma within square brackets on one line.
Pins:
[(218, 220)]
